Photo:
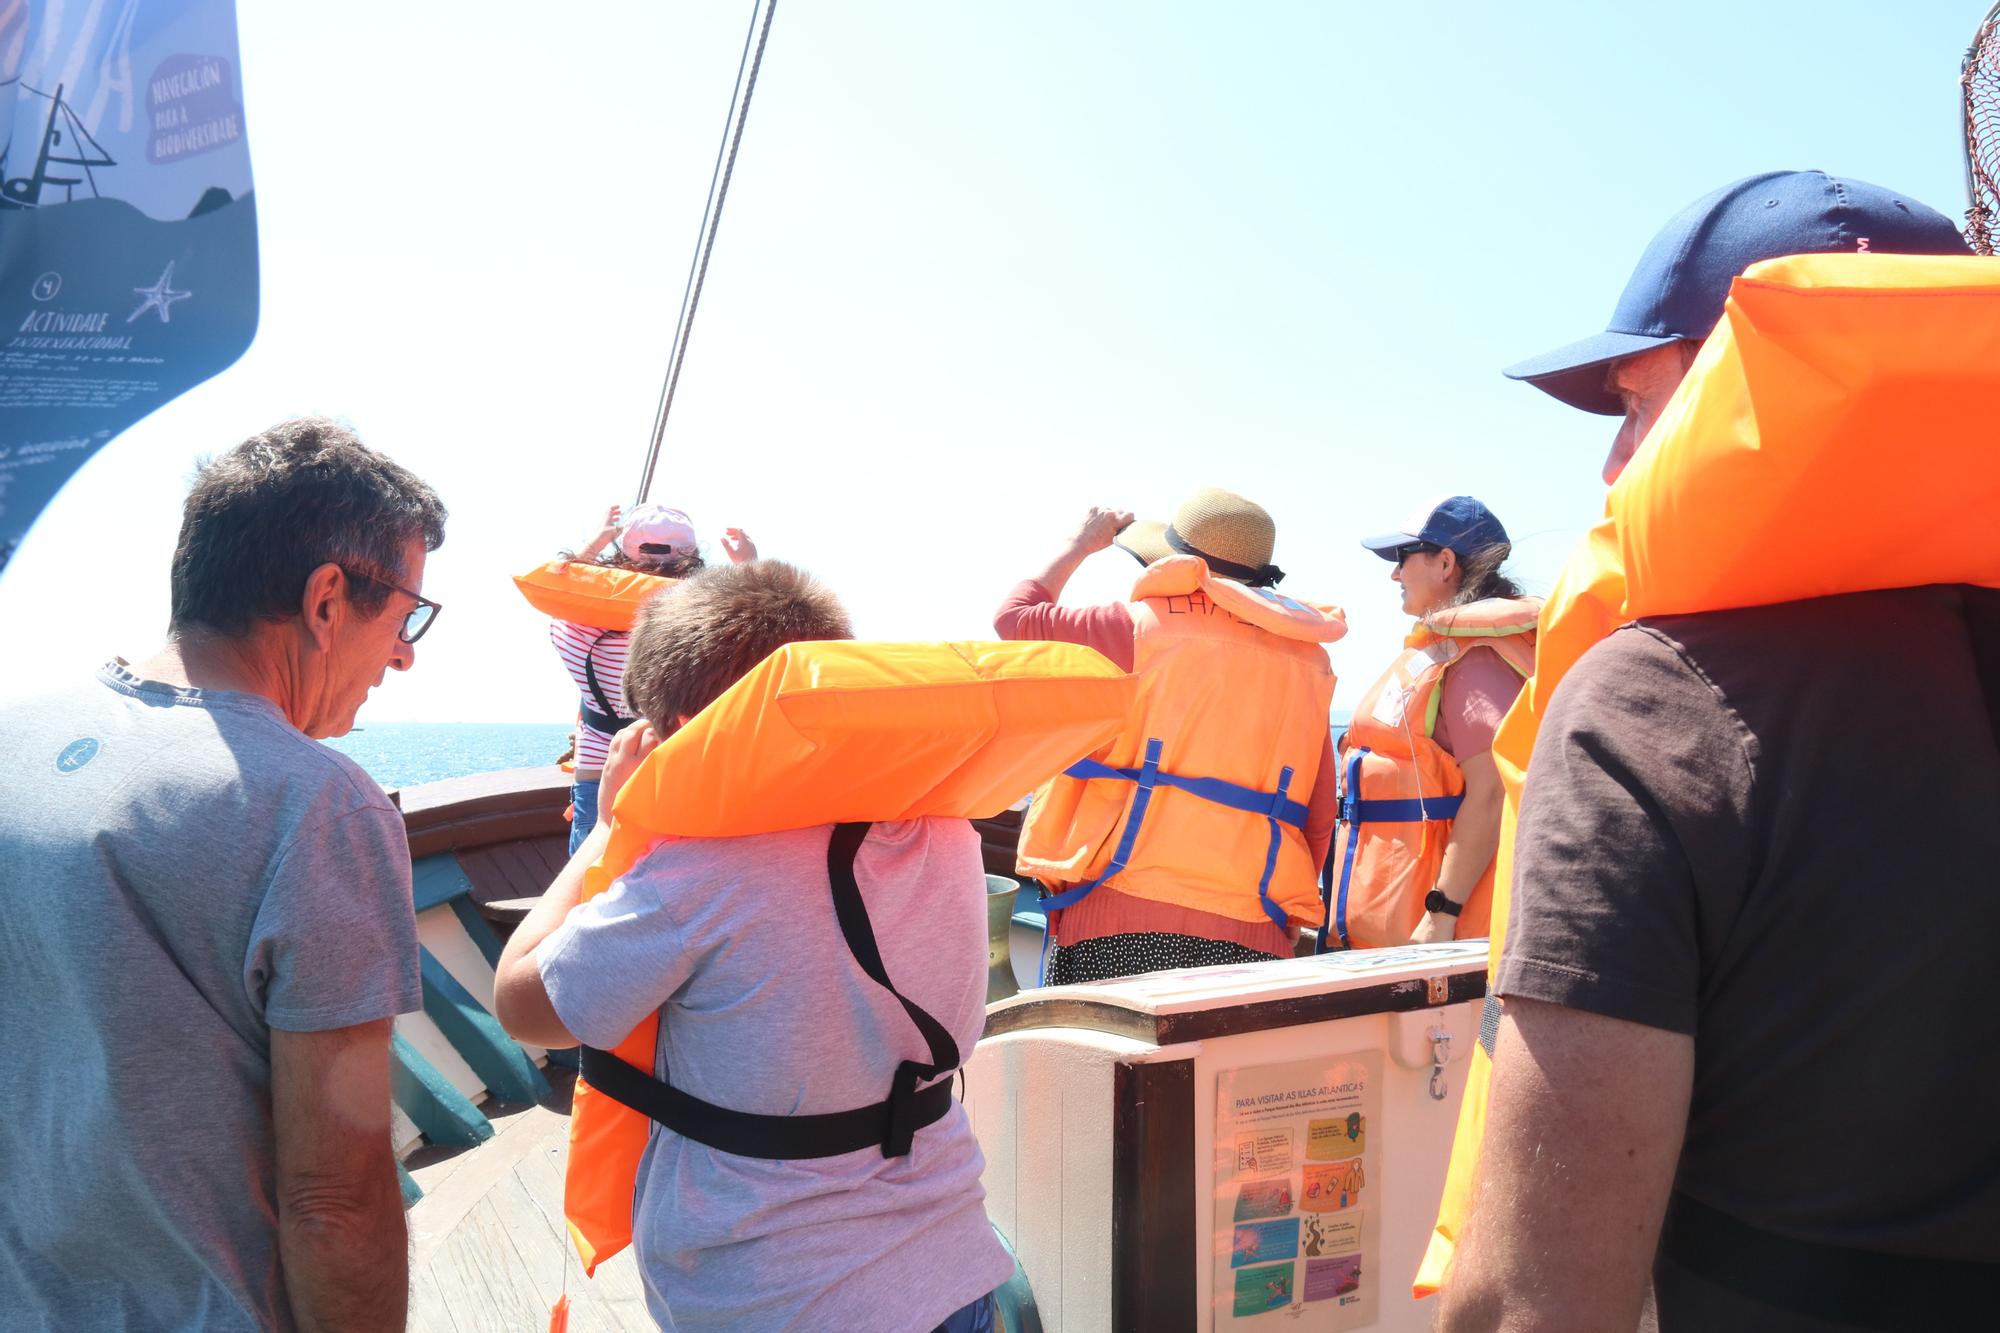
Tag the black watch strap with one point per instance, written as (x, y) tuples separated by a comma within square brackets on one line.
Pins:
[(1435, 901)]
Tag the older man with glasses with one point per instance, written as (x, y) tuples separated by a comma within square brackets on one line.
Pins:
[(210, 925)]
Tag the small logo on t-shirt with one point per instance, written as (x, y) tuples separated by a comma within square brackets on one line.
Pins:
[(76, 754)]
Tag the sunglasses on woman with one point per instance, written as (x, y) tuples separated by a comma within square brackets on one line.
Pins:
[(1403, 553)]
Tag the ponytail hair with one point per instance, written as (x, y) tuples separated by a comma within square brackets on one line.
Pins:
[(1480, 577)]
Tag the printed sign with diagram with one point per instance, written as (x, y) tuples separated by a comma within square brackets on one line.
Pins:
[(1296, 1147)]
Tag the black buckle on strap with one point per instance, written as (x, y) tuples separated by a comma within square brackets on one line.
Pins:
[(902, 1126)]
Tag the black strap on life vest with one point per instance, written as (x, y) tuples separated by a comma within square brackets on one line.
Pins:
[(890, 1124), (1852, 1288), (1982, 621), (610, 721)]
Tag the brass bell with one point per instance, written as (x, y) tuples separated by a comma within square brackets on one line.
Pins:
[(1000, 892)]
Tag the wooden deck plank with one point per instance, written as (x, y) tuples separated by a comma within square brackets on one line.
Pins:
[(454, 1183), (521, 868), (616, 1291), (483, 1279), (548, 1259), (501, 1202), (460, 1270), (428, 1312)]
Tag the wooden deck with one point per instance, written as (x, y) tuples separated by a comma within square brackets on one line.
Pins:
[(488, 1254)]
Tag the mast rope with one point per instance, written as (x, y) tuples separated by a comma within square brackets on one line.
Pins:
[(711, 221)]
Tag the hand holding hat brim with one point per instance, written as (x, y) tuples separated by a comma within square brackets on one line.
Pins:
[(1145, 540)]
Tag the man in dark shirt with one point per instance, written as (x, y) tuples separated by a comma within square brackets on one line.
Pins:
[(1750, 1000)]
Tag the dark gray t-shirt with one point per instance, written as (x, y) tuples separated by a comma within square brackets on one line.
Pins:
[(181, 872), (1778, 830)]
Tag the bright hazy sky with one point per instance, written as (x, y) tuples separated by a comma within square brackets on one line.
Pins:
[(982, 266)]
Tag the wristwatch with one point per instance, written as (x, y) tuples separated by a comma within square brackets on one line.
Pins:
[(1435, 901)]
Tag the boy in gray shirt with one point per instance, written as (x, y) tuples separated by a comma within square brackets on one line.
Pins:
[(766, 1009)]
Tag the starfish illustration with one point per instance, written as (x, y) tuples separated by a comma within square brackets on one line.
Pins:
[(160, 296)]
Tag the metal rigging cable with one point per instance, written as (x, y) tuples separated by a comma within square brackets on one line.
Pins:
[(711, 219)]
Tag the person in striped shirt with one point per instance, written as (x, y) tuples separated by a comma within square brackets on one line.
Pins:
[(656, 540)]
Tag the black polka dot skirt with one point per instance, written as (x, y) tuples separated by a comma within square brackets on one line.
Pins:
[(1111, 956)]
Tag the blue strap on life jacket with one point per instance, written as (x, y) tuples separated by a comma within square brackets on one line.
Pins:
[(1277, 808), (1354, 812), (1247, 799), (1278, 800), (1147, 776)]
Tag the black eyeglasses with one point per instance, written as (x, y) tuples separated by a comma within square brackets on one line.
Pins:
[(1403, 553), (422, 616)]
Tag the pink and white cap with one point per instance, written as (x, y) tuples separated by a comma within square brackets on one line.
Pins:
[(655, 532)]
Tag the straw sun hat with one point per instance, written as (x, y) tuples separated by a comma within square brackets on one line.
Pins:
[(1234, 535)]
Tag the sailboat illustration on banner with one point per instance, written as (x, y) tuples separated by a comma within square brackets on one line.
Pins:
[(65, 143)]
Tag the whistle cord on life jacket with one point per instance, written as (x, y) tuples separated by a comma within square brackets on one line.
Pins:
[(610, 721), (890, 1124)]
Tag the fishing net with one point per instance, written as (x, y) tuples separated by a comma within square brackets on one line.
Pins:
[(1979, 80)]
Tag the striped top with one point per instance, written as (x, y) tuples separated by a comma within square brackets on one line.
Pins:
[(606, 648)]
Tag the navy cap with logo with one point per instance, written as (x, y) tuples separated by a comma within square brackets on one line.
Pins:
[(1453, 522), (1678, 289)]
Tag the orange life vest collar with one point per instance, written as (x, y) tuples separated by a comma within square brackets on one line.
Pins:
[(1266, 608), (584, 593)]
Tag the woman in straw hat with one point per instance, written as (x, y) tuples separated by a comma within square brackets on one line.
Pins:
[(1194, 838)]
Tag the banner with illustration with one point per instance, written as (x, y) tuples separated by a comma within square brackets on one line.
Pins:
[(128, 230), (1296, 1147)]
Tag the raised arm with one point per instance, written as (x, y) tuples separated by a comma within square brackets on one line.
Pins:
[(1093, 534), (613, 520), (520, 997), (341, 1234)]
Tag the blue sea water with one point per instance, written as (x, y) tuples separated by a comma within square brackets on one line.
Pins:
[(403, 754)]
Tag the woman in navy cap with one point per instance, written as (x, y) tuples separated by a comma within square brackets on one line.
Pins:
[(1421, 814)]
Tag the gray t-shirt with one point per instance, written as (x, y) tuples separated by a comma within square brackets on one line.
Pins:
[(182, 871), (763, 1009)]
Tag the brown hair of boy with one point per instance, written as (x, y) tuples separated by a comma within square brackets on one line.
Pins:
[(697, 638)]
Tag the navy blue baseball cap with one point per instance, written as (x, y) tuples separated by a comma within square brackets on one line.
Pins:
[(1455, 522), (1678, 290)]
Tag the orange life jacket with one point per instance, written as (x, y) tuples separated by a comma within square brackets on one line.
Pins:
[(590, 594), (1835, 435), (1201, 800), (1400, 790), (826, 733)]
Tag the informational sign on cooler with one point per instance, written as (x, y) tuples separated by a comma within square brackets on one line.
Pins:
[(1296, 1180)]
